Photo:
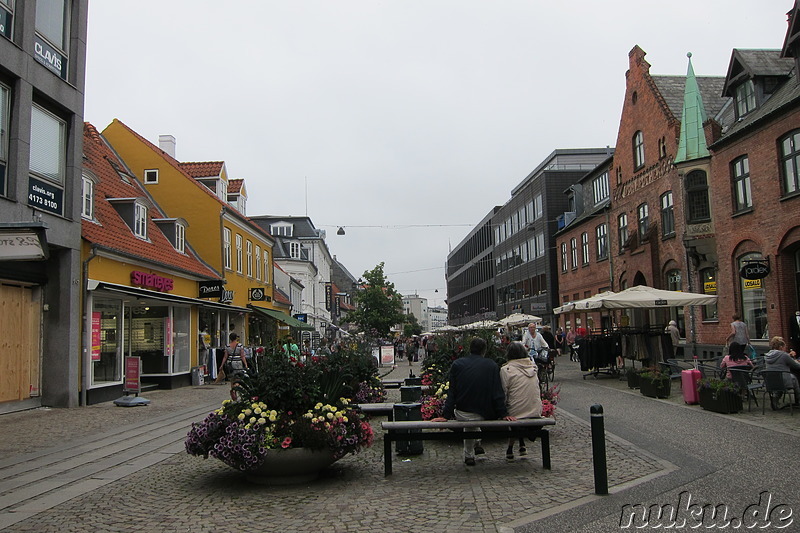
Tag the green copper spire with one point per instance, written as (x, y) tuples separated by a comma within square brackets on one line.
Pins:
[(692, 144)]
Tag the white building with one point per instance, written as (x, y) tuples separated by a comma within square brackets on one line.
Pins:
[(438, 317), (417, 306)]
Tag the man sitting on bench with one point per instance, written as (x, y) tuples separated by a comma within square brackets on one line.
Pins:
[(475, 394)]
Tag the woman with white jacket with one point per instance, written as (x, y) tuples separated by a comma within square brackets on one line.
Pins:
[(520, 380)]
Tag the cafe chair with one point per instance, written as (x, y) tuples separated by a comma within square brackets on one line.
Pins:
[(743, 377), (777, 390), (709, 371)]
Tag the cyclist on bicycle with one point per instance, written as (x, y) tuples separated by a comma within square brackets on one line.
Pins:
[(535, 343)]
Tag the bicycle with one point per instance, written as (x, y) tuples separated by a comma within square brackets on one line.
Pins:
[(546, 362)]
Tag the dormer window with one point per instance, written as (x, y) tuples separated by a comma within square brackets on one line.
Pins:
[(294, 250), (87, 198), (745, 98), (281, 230), (600, 188), (140, 220), (180, 237)]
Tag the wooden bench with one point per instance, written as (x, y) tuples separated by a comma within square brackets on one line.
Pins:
[(377, 409), (455, 430), (393, 383)]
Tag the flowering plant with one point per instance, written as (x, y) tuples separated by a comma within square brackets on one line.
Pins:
[(286, 404), (718, 385), (370, 391), (433, 405)]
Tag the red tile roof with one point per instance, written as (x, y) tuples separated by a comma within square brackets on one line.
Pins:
[(203, 169), (279, 297), (109, 230), (235, 185)]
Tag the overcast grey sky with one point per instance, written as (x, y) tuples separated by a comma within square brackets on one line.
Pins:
[(394, 113)]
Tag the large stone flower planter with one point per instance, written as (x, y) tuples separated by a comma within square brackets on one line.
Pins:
[(291, 466)]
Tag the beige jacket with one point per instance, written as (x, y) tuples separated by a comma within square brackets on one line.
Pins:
[(521, 385)]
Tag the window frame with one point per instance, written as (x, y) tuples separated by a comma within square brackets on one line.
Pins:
[(239, 258), (601, 239), (5, 110), (249, 252), (258, 262), (600, 188), (538, 207), (789, 149), (744, 98), (266, 267), (740, 181), (637, 143), (622, 230), (295, 251), (573, 252), (60, 180), (87, 197), (585, 248), (667, 214), (697, 198), (180, 237), (564, 265), (140, 220), (227, 252), (643, 219)]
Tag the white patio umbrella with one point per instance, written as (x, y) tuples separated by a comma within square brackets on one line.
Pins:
[(581, 305), (482, 324), (643, 297), (566, 308), (519, 319), (445, 329)]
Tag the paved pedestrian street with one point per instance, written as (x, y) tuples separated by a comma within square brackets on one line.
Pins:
[(108, 468)]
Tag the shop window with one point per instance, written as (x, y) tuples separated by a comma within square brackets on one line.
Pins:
[(740, 176), (753, 300), (601, 237), (238, 253), (140, 220), (638, 150), (790, 162), (48, 145), (708, 277), (106, 355), (180, 341), (227, 246), (667, 215), (698, 209), (151, 176), (622, 224), (258, 262)]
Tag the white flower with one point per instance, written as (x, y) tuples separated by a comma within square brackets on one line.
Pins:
[(241, 416), (262, 421)]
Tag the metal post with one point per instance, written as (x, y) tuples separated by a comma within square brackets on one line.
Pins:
[(599, 450)]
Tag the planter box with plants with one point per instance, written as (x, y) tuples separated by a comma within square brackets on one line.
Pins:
[(654, 384), (719, 396), (633, 378)]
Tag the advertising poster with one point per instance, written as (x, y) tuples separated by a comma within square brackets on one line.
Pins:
[(133, 371), (96, 336), (387, 355), (168, 346)]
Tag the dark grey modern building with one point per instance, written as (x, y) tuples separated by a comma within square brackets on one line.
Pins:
[(42, 66)]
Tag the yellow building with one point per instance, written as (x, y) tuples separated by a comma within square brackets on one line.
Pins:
[(218, 228)]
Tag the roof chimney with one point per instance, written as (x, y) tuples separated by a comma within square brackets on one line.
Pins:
[(167, 143)]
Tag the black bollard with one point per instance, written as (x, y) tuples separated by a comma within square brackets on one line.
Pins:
[(599, 450)]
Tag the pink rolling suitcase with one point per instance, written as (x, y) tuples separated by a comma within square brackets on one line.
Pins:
[(689, 379)]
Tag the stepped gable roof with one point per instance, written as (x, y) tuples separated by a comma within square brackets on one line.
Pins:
[(749, 64), (235, 185), (203, 169), (177, 166), (672, 89), (109, 230)]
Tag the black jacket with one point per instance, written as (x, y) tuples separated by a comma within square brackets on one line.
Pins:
[(475, 388)]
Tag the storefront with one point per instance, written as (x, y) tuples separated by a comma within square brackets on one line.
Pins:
[(161, 329)]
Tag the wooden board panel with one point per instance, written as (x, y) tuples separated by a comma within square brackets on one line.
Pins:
[(19, 342)]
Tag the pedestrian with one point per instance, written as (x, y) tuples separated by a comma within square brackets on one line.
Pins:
[(560, 340), (234, 363), (548, 337), (534, 342), (475, 393), (520, 380), (781, 360), (675, 337), (569, 339), (400, 348), (741, 334), (290, 348)]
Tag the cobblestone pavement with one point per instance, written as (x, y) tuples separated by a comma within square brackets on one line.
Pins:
[(433, 491)]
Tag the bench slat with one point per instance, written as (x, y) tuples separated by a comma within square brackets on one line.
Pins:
[(465, 424)]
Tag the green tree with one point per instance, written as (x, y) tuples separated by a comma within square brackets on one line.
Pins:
[(411, 326), (378, 305)]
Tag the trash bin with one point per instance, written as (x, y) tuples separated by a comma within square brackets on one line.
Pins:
[(413, 381), (409, 412), (197, 376), (410, 393)]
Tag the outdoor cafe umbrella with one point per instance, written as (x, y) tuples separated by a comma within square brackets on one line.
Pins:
[(643, 297), (519, 319), (482, 324), (581, 305), (445, 329)]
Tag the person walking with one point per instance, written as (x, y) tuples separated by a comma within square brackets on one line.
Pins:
[(234, 363), (569, 339), (675, 337), (476, 393), (520, 380)]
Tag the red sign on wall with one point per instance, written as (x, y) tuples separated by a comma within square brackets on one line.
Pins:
[(151, 281), (96, 336)]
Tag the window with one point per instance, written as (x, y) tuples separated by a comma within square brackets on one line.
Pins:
[(674, 282), (638, 150), (140, 217), (601, 233), (529, 212), (708, 278), (697, 197), (87, 205), (622, 223), (281, 230), (600, 188), (667, 215), (4, 102), (238, 253), (643, 213), (585, 248), (249, 259), (151, 176), (266, 266), (754, 299), (48, 145), (180, 238), (294, 250), (51, 35), (790, 162), (258, 262), (745, 98), (563, 257), (740, 175), (537, 207), (573, 249), (227, 246), (6, 17)]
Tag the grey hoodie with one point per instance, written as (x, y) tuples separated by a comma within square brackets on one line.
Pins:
[(780, 360)]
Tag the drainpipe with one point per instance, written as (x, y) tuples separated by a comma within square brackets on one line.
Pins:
[(87, 332)]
